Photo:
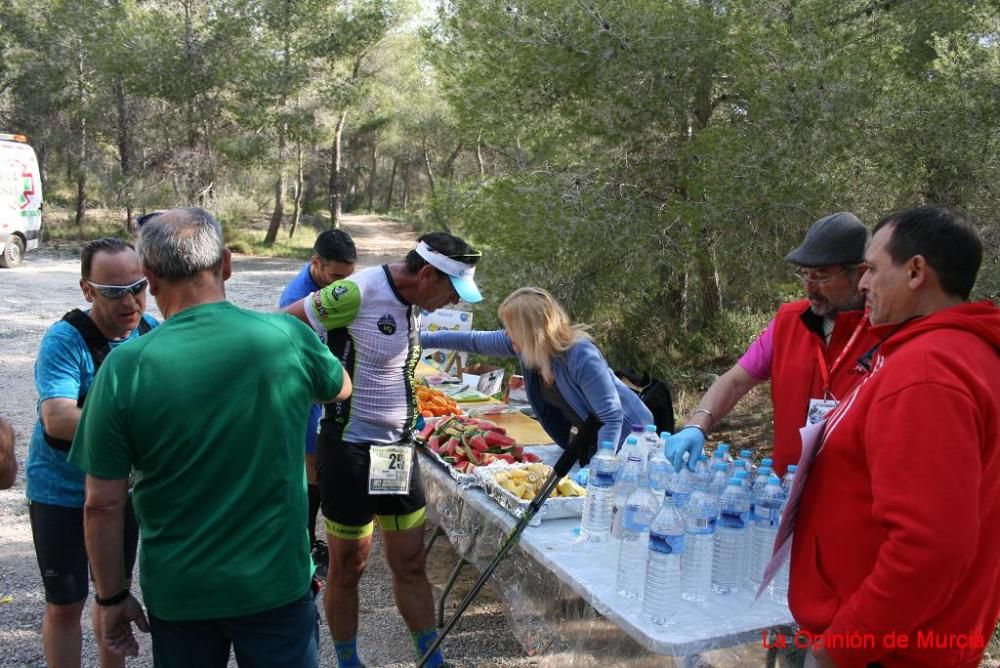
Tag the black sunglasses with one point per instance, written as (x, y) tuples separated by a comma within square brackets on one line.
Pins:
[(119, 291)]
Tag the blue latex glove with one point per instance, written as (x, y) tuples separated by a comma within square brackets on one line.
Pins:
[(690, 440)]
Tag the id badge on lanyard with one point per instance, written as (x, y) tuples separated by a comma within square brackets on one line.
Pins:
[(819, 409), (389, 469)]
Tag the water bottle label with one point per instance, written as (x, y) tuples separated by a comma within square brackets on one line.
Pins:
[(602, 479), (635, 519), (664, 544), (733, 520), (700, 526)]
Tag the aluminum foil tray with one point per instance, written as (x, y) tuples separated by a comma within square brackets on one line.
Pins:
[(554, 508)]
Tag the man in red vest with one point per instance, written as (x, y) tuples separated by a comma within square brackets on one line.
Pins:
[(809, 350)]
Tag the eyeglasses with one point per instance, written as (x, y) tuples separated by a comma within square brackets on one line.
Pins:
[(119, 291), (805, 277)]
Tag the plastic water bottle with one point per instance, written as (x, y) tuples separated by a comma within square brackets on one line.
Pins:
[(681, 486), (768, 462), (740, 464), (789, 479), (720, 478), (766, 517), (744, 478), (629, 479), (659, 472), (662, 596), (699, 539), (702, 472), (595, 526), (763, 474), (729, 555), (629, 448), (779, 585), (649, 443), (664, 435), (638, 513), (721, 454)]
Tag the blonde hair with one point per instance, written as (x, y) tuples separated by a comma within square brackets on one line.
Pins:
[(540, 326)]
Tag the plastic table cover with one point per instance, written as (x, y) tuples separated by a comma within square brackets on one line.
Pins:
[(560, 597)]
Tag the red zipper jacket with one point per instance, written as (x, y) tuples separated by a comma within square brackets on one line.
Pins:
[(897, 540)]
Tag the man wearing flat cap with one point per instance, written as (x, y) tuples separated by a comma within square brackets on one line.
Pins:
[(809, 350)]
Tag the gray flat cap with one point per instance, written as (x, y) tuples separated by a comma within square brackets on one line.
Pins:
[(839, 238)]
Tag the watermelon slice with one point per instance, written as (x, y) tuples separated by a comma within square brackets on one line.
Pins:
[(496, 438)]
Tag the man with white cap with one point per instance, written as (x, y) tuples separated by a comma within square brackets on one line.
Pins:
[(809, 350), (367, 470)]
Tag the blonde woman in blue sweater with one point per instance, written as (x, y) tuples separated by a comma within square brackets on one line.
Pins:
[(565, 375)]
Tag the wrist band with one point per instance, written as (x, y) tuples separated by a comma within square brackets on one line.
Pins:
[(705, 411), (111, 600), (698, 427)]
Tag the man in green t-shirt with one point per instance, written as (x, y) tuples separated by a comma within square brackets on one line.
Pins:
[(207, 412)]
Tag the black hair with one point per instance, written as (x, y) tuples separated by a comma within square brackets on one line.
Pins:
[(109, 245), (945, 237), (335, 245), (447, 244)]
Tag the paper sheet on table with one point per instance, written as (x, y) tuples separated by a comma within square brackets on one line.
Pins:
[(520, 427), (812, 437)]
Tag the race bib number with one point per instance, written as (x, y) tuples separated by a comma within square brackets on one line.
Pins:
[(389, 470), (818, 409)]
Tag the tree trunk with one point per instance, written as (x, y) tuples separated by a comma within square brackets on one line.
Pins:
[(372, 174), (299, 178), (124, 140), (406, 186), (336, 196), (427, 167), (81, 158), (449, 163), (189, 105), (392, 182), (280, 189), (479, 156)]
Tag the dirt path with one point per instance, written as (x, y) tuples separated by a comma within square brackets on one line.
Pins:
[(37, 294)]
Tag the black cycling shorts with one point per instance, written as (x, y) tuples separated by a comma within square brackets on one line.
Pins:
[(348, 508), (57, 532)]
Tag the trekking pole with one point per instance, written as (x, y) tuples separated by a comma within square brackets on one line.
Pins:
[(585, 435)]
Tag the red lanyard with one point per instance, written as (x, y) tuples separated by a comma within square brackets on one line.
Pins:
[(827, 372)]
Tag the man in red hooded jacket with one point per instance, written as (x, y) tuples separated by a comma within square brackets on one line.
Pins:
[(895, 553)]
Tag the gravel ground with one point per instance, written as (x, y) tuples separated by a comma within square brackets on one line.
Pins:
[(34, 296)]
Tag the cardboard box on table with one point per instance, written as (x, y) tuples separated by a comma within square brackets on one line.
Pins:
[(449, 320)]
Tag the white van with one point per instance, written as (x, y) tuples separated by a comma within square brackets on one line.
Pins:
[(20, 199)]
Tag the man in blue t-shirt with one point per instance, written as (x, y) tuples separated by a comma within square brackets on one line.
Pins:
[(70, 353), (334, 256)]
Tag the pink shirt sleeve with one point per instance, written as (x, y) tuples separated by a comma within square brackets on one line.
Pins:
[(756, 361)]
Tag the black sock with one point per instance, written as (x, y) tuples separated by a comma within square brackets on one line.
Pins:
[(313, 511)]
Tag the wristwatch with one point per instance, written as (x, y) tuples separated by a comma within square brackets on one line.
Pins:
[(111, 600)]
